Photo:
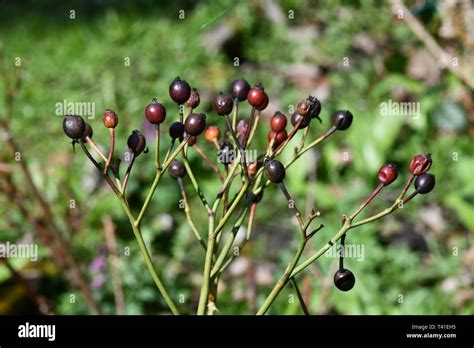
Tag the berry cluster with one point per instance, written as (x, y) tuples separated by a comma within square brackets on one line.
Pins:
[(231, 147)]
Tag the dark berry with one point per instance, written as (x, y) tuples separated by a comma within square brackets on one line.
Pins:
[(420, 164), (315, 109), (275, 171), (278, 122), (110, 119), (310, 106), (179, 90), (256, 96), (136, 142), (195, 124), (342, 119), (388, 174), (192, 140), (425, 183), (193, 100), (176, 130), (295, 118), (88, 132), (258, 197), (212, 133), (177, 169), (239, 89), (303, 106), (222, 104), (226, 153), (74, 126), (344, 279), (155, 112)]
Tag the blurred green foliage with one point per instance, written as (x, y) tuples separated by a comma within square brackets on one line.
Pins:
[(84, 60)]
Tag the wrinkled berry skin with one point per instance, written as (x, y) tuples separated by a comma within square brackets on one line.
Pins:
[(176, 169), (310, 106), (222, 104), (425, 183), (136, 142), (74, 126), (239, 89), (388, 174), (342, 119), (195, 124), (176, 130), (275, 171), (110, 119), (420, 164), (155, 112), (179, 90), (344, 279), (194, 100)]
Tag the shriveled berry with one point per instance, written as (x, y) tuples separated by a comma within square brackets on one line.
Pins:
[(176, 169), (179, 90), (420, 164), (195, 124), (315, 108), (303, 106), (256, 96), (222, 104), (278, 122), (242, 127), (295, 118), (425, 183), (136, 142), (239, 89), (388, 174), (344, 279), (88, 132), (155, 112), (110, 119), (176, 130), (212, 133), (275, 171), (342, 119), (74, 126), (194, 100)]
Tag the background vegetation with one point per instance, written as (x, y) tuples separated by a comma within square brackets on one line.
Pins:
[(423, 253)]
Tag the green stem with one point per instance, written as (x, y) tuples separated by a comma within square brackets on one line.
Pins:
[(211, 240), (300, 296), (147, 257)]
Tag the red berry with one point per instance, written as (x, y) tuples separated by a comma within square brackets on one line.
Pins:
[(388, 174), (280, 137), (110, 119), (256, 96), (155, 112), (264, 104), (420, 164), (278, 122)]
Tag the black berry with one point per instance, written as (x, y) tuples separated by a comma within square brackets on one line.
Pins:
[(136, 142), (74, 126), (425, 183), (176, 169), (239, 89), (342, 119), (344, 279), (295, 118), (88, 132), (176, 130), (275, 171)]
